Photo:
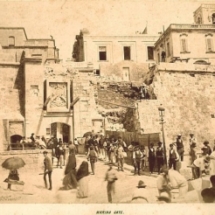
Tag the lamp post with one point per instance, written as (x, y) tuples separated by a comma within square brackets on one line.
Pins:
[(161, 114)]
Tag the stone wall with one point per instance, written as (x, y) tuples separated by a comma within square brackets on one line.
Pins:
[(12, 95), (114, 72), (189, 100)]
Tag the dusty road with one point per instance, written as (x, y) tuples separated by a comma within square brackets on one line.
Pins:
[(34, 191)]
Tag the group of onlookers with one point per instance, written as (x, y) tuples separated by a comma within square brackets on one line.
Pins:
[(109, 149)]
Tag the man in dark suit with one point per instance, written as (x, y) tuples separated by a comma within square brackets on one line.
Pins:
[(151, 158), (160, 156), (47, 170)]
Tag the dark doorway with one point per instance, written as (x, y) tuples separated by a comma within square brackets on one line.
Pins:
[(61, 130)]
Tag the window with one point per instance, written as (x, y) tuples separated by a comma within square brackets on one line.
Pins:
[(213, 18), (184, 45), (209, 45), (168, 49), (127, 52), (11, 41), (102, 53), (150, 51), (199, 20), (158, 57)]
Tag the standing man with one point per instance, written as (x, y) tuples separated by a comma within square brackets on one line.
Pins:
[(110, 177), (160, 156), (192, 139), (173, 157), (151, 158), (92, 157), (137, 156), (180, 146), (120, 156), (143, 159), (60, 154), (47, 170)]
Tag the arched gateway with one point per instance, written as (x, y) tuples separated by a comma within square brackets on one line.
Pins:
[(61, 130)]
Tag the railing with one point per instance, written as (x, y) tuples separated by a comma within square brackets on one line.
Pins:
[(188, 26)]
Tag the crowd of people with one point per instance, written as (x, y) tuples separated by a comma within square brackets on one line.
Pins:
[(114, 150)]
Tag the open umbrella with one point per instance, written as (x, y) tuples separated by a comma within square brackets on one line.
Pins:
[(13, 163), (87, 134)]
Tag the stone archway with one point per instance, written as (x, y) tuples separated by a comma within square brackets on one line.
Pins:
[(61, 130)]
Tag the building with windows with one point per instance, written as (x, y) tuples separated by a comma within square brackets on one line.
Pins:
[(111, 53), (205, 14), (193, 43), (13, 41), (21, 64)]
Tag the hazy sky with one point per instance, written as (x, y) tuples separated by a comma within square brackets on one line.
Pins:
[(63, 19)]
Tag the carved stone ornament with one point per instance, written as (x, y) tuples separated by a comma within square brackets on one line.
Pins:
[(58, 93)]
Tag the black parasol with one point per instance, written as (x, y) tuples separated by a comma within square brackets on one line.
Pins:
[(13, 163)]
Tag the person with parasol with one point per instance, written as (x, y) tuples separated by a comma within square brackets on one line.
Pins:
[(13, 164)]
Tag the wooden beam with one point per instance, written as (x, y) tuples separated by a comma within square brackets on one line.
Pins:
[(125, 106), (74, 102)]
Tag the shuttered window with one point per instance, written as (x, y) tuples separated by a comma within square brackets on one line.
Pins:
[(209, 45), (184, 45)]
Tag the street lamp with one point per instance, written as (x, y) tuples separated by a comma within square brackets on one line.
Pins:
[(161, 114)]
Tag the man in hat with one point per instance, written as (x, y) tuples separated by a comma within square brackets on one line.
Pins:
[(47, 170), (173, 157), (151, 157), (160, 156), (140, 194), (111, 178), (180, 146), (176, 181), (137, 156), (206, 144)]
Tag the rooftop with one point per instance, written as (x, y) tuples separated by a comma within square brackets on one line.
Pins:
[(186, 27)]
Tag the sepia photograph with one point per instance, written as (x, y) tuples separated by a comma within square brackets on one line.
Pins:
[(107, 107)]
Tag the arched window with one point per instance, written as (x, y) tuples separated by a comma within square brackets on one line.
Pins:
[(209, 43), (11, 41)]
